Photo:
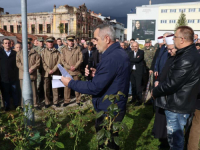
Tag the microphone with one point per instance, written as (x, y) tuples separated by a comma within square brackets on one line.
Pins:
[(90, 65)]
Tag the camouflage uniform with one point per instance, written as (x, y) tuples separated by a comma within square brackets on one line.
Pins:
[(149, 53)]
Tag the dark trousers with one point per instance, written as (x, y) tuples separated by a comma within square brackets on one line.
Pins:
[(145, 78), (136, 82), (99, 121), (7, 90)]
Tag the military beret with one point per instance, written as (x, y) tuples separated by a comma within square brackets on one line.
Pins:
[(40, 39), (50, 39), (70, 37), (147, 41)]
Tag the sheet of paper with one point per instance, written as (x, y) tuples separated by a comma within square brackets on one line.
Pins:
[(56, 77), (57, 84), (64, 72)]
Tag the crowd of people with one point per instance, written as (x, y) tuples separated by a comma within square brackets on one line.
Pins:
[(171, 66)]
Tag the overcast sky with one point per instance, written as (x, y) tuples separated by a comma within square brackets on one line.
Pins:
[(114, 8)]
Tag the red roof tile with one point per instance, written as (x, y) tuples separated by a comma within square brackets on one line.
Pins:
[(19, 35)]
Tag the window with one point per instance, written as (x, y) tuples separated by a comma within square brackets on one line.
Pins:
[(5, 28), (172, 21), (90, 34), (11, 29), (79, 26), (198, 21), (191, 9), (199, 9), (66, 27), (19, 29), (32, 29), (181, 10), (48, 28), (163, 10), (94, 21), (191, 21), (40, 28), (163, 21), (172, 10)]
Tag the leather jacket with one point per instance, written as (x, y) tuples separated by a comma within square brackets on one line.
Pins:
[(182, 83)]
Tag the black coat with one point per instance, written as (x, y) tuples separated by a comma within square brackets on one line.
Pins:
[(154, 59), (182, 83), (161, 101), (138, 61), (95, 57), (8, 68)]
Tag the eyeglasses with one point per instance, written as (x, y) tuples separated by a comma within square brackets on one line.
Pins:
[(177, 37)]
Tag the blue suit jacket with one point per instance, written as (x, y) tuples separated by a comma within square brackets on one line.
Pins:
[(161, 60), (112, 75)]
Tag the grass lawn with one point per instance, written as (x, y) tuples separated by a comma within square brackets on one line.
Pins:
[(138, 119)]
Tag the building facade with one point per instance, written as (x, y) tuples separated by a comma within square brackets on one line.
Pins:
[(64, 20), (165, 17)]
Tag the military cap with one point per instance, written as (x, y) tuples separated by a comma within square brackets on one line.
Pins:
[(50, 39), (29, 40), (40, 39), (70, 37), (147, 41)]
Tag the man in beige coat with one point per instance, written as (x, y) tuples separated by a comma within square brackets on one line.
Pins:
[(71, 58), (50, 60), (34, 63)]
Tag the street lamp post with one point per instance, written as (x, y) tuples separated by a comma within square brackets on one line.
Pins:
[(27, 93)]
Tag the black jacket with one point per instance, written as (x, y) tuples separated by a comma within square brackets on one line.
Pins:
[(138, 61), (182, 83), (154, 59), (94, 55), (8, 68), (161, 101)]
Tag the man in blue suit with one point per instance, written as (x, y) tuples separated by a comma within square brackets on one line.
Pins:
[(111, 75)]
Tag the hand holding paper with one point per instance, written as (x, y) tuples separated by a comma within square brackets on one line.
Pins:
[(59, 81)]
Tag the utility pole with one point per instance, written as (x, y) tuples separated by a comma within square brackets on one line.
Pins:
[(27, 93)]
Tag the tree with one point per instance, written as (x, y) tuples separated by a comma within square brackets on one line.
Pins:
[(182, 21), (61, 28)]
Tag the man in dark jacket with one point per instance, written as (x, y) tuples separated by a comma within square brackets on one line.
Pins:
[(136, 57), (90, 53), (9, 74), (181, 86), (162, 56), (111, 75)]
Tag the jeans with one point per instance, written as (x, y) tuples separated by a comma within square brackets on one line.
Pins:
[(7, 89), (175, 129)]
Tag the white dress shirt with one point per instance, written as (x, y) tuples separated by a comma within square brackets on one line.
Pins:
[(7, 52), (135, 56)]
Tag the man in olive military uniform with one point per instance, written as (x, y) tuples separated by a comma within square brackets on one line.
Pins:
[(34, 63), (40, 80), (149, 52), (50, 60), (71, 58)]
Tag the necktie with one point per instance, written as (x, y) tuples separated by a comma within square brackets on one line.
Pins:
[(90, 54)]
